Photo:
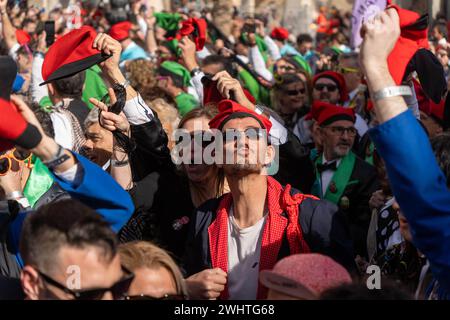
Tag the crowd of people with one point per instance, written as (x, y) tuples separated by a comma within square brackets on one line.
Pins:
[(155, 157)]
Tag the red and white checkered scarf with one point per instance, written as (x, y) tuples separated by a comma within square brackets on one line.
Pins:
[(279, 200)]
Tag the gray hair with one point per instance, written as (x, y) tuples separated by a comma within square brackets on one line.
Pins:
[(92, 117)]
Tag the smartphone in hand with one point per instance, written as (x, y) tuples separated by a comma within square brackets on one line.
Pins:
[(49, 28)]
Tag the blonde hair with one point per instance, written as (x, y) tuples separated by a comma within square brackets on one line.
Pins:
[(168, 115), (142, 254)]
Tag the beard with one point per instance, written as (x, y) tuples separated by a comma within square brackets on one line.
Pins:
[(242, 169), (341, 150)]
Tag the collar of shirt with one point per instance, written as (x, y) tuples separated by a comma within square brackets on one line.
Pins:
[(325, 161)]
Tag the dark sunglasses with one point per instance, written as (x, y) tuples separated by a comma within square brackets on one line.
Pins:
[(173, 297), (294, 92), (250, 133), (118, 290), (330, 87)]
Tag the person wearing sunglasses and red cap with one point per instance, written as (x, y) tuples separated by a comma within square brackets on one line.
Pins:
[(330, 87), (249, 229), (341, 177)]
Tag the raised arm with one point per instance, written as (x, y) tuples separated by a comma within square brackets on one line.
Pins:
[(9, 32), (418, 184), (82, 179), (150, 39)]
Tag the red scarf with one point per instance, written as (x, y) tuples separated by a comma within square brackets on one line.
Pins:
[(278, 201)]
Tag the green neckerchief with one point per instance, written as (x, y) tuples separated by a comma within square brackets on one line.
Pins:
[(38, 183), (94, 87), (340, 180), (45, 103), (185, 103)]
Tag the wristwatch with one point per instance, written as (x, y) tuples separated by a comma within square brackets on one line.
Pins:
[(392, 92), (195, 71)]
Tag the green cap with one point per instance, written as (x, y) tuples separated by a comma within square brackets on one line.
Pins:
[(167, 21), (302, 63), (171, 68), (185, 103)]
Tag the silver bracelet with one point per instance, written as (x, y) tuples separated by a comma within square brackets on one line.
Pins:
[(394, 91)]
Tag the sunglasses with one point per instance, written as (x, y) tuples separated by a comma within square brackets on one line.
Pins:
[(294, 92), (173, 297), (118, 290), (341, 130), (329, 87), (17, 155), (250, 133)]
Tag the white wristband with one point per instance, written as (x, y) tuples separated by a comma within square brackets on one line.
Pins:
[(392, 92)]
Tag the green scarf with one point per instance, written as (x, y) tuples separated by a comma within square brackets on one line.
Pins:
[(340, 180), (38, 183)]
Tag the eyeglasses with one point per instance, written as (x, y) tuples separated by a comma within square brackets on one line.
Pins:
[(344, 70), (118, 290), (329, 87), (341, 130), (17, 155), (294, 92), (250, 133), (173, 297)]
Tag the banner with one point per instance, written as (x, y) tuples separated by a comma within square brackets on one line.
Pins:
[(363, 10)]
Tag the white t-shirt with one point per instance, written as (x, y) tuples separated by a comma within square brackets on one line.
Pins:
[(244, 249)]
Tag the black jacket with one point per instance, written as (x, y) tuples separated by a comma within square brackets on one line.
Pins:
[(324, 229), (357, 209)]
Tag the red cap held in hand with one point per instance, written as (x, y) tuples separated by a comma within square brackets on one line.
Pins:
[(14, 130), (71, 54), (197, 28), (413, 36)]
